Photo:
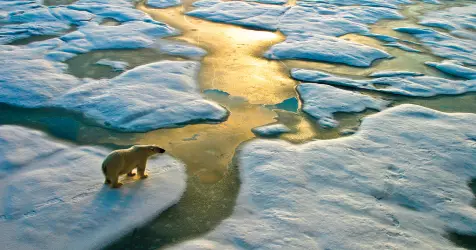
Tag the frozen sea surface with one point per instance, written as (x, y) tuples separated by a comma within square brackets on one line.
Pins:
[(152, 96), (418, 86), (53, 196), (271, 130), (322, 101), (399, 182), (454, 68), (302, 25)]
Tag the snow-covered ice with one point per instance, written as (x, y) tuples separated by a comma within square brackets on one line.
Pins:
[(306, 37), (326, 49), (311, 28), (115, 65), (394, 73), (53, 196), (325, 19), (392, 4), (148, 97), (119, 10), (271, 130), (28, 80), (400, 182), (421, 86), (152, 96), (322, 101), (37, 20), (402, 47), (454, 68), (163, 3), (99, 37), (453, 19), (240, 13), (444, 45), (269, 1)]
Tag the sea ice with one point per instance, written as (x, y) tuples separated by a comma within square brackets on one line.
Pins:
[(325, 19), (163, 3), (148, 97), (322, 101), (421, 86), (451, 19), (152, 96), (119, 10), (444, 45), (454, 68), (400, 182), (394, 74), (326, 49), (24, 23), (53, 196), (240, 13), (99, 37), (115, 65), (271, 130), (402, 47), (311, 28)]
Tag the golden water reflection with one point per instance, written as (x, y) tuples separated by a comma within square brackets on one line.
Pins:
[(234, 63)]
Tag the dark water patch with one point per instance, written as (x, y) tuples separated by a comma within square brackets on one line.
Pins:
[(32, 39), (110, 22), (56, 122), (58, 2), (465, 103), (290, 104), (467, 241), (85, 65)]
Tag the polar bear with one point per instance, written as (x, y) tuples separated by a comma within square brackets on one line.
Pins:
[(123, 161)]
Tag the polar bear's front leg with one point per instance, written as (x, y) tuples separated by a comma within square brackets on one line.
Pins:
[(141, 170)]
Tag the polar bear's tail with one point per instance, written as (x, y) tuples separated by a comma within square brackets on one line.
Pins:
[(104, 168)]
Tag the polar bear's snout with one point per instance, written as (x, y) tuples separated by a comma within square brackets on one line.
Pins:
[(158, 150)]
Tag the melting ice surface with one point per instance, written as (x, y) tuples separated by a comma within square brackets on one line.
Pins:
[(86, 69)]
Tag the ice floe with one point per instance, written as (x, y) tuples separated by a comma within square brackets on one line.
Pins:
[(311, 31), (402, 47), (311, 28), (454, 68), (152, 96), (119, 10), (53, 196), (40, 20), (394, 73), (148, 97), (393, 4), (99, 37), (240, 13), (271, 130), (115, 65), (421, 86), (444, 45), (322, 101), (163, 3), (326, 49), (451, 19), (400, 182)]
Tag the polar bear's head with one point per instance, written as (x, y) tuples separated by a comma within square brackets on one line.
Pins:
[(150, 149)]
